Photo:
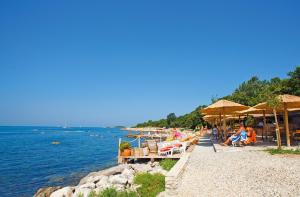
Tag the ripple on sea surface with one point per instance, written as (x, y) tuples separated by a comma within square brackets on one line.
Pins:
[(30, 161)]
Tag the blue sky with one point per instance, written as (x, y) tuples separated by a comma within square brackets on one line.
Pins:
[(96, 63)]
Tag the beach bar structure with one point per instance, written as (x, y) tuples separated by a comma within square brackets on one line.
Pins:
[(287, 102), (152, 147), (222, 108), (255, 113)]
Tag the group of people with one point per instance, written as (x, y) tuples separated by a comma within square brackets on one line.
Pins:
[(243, 135)]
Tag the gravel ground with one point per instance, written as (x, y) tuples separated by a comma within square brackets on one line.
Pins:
[(238, 172)]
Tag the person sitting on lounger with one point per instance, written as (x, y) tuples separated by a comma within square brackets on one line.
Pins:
[(235, 137), (251, 136), (244, 136)]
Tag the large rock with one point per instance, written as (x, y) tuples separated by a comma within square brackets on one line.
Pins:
[(46, 192), (103, 181), (92, 179), (64, 192), (117, 179), (82, 191), (88, 185), (108, 172), (154, 164), (127, 173), (138, 168), (159, 169), (121, 177)]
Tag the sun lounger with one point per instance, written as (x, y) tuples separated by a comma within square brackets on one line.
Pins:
[(165, 149), (235, 139)]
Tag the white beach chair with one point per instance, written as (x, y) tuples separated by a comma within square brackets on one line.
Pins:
[(184, 146), (161, 152)]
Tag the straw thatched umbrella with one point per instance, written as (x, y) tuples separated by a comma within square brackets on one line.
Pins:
[(287, 102), (213, 119), (210, 118), (223, 107), (234, 117), (294, 109)]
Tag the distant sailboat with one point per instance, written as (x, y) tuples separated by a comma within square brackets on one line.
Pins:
[(65, 126)]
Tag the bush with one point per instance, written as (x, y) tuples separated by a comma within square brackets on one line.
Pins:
[(250, 121), (167, 164), (124, 145), (112, 192), (151, 184)]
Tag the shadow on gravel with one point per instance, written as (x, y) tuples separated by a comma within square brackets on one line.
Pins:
[(204, 142)]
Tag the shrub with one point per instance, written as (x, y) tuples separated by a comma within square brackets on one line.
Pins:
[(125, 145), (250, 121), (167, 164), (151, 184), (112, 192)]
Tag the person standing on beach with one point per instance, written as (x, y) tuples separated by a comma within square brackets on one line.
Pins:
[(215, 132)]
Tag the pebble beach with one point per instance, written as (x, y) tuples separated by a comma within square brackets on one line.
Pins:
[(239, 172)]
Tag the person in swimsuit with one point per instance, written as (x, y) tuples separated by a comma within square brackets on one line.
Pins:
[(237, 136)]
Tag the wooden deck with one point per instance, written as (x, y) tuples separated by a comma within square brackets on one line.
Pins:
[(153, 156)]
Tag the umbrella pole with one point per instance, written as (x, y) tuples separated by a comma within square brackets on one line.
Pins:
[(220, 126), (286, 122), (224, 125)]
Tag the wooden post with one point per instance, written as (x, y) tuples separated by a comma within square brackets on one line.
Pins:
[(139, 141), (220, 123), (286, 123), (119, 153), (220, 126), (277, 130)]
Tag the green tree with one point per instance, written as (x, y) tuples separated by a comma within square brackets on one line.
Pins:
[(171, 119), (292, 84), (189, 121), (248, 92), (271, 96)]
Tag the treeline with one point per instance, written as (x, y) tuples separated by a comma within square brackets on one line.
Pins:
[(249, 93), (253, 91), (191, 120)]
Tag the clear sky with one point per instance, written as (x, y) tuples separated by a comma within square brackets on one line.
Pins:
[(93, 63)]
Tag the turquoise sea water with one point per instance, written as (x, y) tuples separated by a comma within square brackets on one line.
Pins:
[(29, 160)]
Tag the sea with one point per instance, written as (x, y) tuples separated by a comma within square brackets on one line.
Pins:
[(35, 157)]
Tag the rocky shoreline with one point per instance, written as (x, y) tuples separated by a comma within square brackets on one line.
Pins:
[(120, 177)]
